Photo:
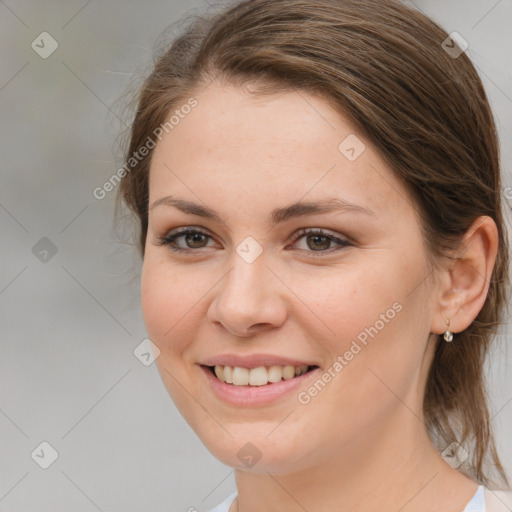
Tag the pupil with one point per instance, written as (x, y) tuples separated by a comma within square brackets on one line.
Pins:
[(325, 245), (191, 238)]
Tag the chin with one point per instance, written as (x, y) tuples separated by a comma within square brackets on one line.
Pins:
[(250, 449)]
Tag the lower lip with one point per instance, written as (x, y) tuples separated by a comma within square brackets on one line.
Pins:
[(254, 395)]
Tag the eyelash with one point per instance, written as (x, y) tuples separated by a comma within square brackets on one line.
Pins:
[(170, 238)]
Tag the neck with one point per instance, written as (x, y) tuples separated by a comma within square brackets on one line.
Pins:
[(389, 468)]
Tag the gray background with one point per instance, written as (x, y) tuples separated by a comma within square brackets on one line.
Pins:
[(69, 324)]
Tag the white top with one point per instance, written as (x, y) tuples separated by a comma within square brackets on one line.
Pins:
[(484, 500), (477, 503), (224, 506)]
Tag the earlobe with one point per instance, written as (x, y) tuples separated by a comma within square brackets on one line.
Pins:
[(466, 283)]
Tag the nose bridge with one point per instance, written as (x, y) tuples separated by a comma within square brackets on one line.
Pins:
[(248, 267), (248, 295), (246, 282)]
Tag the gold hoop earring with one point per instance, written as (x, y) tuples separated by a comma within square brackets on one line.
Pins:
[(448, 335)]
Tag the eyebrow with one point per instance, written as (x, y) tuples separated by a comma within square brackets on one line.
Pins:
[(299, 209)]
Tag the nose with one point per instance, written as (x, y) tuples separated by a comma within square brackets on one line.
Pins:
[(249, 300)]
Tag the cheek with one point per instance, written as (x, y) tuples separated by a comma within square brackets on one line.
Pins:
[(167, 307), (352, 298), (167, 303), (372, 320), (394, 336), (374, 334), (154, 294)]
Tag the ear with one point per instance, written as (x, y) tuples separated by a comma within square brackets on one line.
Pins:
[(465, 282)]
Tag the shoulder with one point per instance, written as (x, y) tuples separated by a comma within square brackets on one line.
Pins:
[(497, 501)]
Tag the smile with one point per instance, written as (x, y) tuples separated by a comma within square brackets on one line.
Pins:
[(258, 386), (260, 376)]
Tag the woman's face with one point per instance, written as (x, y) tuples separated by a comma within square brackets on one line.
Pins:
[(352, 300)]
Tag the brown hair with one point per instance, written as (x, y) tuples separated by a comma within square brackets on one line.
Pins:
[(381, 64)]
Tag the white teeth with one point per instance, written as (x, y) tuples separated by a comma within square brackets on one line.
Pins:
[(228, 374), (240, 376), (275, 373), (257, 376), (219, 371), (288, 372)]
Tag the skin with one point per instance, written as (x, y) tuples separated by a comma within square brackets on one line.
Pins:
[(362, 440)]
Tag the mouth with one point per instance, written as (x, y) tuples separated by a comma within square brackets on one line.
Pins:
[(259, 376)]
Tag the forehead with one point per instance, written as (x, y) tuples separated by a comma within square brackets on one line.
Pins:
[(273, 147)]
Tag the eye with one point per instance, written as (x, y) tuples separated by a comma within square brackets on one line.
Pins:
[(192, 237), (319, 241)]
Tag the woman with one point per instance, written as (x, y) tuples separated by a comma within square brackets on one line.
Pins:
[(324, 254)]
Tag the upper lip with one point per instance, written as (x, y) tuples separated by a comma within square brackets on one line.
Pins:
[(253, 361)]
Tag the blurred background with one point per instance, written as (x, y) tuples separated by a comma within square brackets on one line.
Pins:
[(69, 288)]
